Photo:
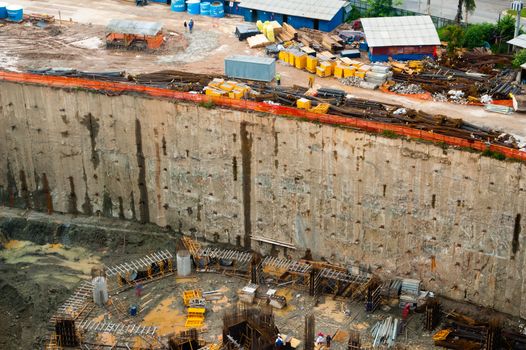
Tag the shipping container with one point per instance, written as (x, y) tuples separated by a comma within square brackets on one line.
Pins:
[(250, 67)]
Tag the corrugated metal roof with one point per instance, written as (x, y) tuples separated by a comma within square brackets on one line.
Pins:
[(519, 41), (253, 59), (400, 31), (133, 27), (317, 9)]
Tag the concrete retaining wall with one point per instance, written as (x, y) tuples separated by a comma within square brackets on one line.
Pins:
[(390, 204)]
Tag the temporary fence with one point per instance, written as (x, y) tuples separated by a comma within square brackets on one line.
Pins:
[(290, 112), (439, 22)]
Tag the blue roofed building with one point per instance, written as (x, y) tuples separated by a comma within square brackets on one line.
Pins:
[(323, 15)]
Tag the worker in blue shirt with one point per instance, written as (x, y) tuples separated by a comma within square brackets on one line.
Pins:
[(279, 343), (191, 25)]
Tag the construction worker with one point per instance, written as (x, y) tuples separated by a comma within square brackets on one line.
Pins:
[(320, 340), (328, 339), (138, 289), (279, 343), (311, 81), (278, 79), (191, 25), (185, 26), (406, 311)]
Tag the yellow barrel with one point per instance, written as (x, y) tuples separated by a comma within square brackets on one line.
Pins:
[(348, 72), (312, 63), (300, 61), (327, 68), (291, 58), (303, 103), (338, 71)]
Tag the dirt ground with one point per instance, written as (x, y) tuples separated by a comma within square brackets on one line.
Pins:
[(43, 259), (80, 46)]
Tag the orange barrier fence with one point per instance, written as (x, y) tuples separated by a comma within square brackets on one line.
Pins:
[(371, 126)]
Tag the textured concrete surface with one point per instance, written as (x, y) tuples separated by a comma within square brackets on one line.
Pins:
[(392, 205)]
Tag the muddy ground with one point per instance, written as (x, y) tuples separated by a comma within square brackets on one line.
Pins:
[(43, 258)]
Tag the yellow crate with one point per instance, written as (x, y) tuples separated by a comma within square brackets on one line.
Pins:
[(322, 108), (327, 68), (283, 56), (214, 92), (227, 87), (348, 72), (312, 63), (194, 322), (415, 64), (338, 71), (303, 103), (320, 71), (360, 74), (300, 61), (236, 93), (196, 312), (216, 82), (291, 58), (191, 294)]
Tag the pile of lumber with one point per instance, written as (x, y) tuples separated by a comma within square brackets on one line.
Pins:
[(259, 40), (41, 18), (322, 40), (287, 33)]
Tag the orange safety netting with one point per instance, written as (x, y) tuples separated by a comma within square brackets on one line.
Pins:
[(371, 126)]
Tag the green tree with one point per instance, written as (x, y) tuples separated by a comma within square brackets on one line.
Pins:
[(381, 8), (354, 14), (505, 28), (519, 58), (467, 5), (477, 35), (454, 35)]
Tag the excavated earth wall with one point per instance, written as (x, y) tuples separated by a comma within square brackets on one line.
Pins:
[(453, 218)]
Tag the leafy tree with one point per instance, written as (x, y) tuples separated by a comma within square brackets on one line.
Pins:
[(505, 28), (477, 35), (354, 14), (519, 58), (381, 8), (454, 35), (467, 5)]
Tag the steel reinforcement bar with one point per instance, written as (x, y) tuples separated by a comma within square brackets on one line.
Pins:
[(369, 126)]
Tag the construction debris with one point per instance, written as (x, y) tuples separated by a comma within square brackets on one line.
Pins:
[(385, 332), (407, 89), (498, 109)]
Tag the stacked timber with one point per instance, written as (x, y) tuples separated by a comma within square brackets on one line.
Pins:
[(259, 40), (287, 33), (332, 43)]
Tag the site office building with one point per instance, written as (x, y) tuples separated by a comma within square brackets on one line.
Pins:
[(401, 38), (323, 15)]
